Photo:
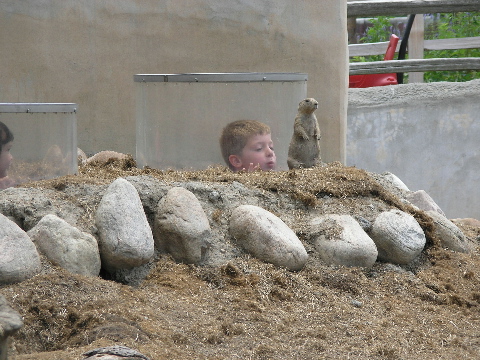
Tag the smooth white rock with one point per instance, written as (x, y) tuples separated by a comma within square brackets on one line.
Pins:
[(19, 259), (340, 240), (181, 227), (395, 181), (423, 201), (398, 236), (267, 237), (66, 246), (125, 237), (448, 233)]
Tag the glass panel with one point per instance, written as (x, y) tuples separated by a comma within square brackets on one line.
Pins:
[(179, 122), (45, 140)]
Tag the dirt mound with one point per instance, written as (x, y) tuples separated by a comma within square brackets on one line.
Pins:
[(251, 310)]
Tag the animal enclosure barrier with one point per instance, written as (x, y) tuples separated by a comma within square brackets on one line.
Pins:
[(179, 117), (45, 139)]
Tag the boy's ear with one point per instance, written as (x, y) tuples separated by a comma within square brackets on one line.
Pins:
[(235, 161)]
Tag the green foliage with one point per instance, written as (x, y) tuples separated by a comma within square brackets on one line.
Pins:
[(363, 58), (443, 26), (379, 31), (453, 25)]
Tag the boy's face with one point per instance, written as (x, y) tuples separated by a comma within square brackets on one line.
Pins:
[(5, 159), (258, 152)]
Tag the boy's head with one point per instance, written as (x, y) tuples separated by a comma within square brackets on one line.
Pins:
[(6, 141), (5, 135), (247, 142)]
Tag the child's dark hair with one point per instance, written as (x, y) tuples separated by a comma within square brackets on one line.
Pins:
[(5, 135)]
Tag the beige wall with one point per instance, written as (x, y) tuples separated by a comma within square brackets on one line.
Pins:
[(87, 51)]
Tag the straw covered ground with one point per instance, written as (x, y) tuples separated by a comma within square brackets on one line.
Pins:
[(246, 309)]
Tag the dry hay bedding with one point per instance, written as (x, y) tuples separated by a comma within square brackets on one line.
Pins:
[(252, 310)]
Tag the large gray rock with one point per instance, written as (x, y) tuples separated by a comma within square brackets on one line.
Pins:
[(395, 181), (10, 323), (181, 227), (125, 237), (448, 233), (267, 237), (19, 259), (340, 240), (423, 201), (398, 236), (66, 246)]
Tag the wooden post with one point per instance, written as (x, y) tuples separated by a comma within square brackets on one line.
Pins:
[(416, 46), (351, 29)]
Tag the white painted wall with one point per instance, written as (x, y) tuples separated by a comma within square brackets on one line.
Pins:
[(426, 134)]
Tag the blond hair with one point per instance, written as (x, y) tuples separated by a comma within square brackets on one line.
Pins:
[(236, 134)]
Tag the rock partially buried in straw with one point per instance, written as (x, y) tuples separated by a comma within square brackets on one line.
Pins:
[(125, 237), (105, 156), (398, 236), (19, 259), (66, 246), (267, 237), (181, 227), (340, 240), (424, 201), (448, 233)]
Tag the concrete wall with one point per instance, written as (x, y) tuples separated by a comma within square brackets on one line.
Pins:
[(87, 51), (426, 134)]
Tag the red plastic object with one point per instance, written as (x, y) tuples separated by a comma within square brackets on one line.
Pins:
[(370, 80)]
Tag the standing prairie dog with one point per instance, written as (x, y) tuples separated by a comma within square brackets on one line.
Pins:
[(304, 149)]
